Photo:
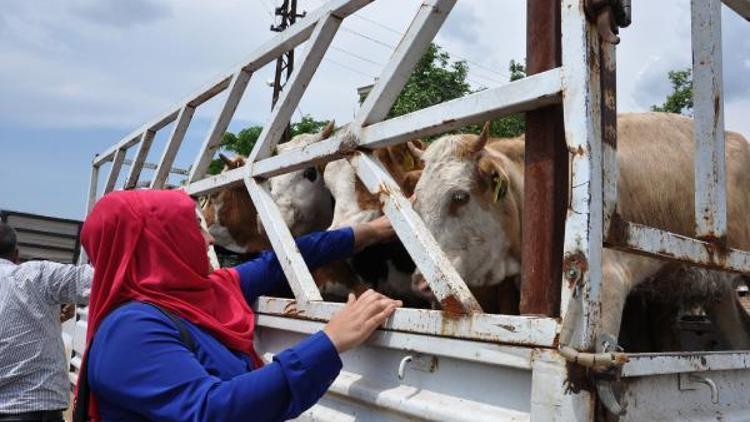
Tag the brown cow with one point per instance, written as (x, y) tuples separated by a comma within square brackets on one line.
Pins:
[(471, 193)]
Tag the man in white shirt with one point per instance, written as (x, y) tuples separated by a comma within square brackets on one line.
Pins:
[(34, 382)]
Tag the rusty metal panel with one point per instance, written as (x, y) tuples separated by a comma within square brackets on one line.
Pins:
[(506, 329), (644, 364), (708, 133), (582, 260), (610, 171), (658, 243), (545, 172), (447, 286)]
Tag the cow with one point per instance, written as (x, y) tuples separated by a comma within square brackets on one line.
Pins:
[(470, 197), (233, 220), (385, 267)]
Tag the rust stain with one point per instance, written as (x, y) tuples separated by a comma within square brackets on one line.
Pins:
[(579, 151), (618, 230), (452, 307), (575, 265)]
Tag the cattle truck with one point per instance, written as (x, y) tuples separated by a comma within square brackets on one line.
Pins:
[(457, 363)]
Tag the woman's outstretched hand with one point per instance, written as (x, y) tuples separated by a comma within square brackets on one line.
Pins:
[(359, 318), (378, 230)]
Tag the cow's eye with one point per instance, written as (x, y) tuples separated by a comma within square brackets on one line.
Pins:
[(460, 197), (311, 173)]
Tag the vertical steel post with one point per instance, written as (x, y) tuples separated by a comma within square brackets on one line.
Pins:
[(710, 161), (546, 171)]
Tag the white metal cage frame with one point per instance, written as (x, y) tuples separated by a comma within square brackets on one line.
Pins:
[(575, 85)]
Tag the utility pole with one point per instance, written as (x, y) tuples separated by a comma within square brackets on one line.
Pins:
[(285, 63)]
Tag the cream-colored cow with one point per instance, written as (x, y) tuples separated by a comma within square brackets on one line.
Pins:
[(470, 196)]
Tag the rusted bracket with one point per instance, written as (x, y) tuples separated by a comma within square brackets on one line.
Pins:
[(609, 16)]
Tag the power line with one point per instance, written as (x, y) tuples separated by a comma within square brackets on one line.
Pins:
[(357, 56), (351, 69), (395, 31)]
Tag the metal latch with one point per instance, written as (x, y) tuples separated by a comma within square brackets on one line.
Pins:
[(419, 362), (609, 16), (691, 382)]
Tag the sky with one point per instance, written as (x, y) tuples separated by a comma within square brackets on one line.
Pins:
[(78, 75)]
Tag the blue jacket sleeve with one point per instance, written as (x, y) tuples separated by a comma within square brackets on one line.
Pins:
[(139, 363), (263, 274)]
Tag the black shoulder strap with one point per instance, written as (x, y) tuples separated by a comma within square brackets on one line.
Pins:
[(185, 335), (81, 405)]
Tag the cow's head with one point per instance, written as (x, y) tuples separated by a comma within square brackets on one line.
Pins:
[(469, 196), (302, 197), (231, 216), (354, 203)]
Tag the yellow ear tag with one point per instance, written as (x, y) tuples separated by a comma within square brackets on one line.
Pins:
[(501, 188), (408, 163)]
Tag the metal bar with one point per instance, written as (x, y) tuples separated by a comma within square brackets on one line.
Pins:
[(472, 351), (405, 57), (135, 136), (295, 88), (153, 166), (710, 165), (114, 171), (211, 143), (505, 329), (637, 238), (649, 364), (173, 145), (522, 95), (610, 171), (445, 283), (90, 201), (741, 7), (525, 94), (296, 271), (582, 260), (269, 51), (137, 164), (217, 182), (545, 172)]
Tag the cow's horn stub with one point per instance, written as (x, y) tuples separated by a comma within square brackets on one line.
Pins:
[(328, 130), (414, 148), (478, 144)]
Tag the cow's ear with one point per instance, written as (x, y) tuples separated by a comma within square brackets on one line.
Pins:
[(499, 187), (494, 178)]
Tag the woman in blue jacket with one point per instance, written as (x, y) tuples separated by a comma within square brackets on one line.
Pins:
[(169, 339)]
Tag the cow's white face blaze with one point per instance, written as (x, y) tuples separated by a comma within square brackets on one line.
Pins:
[(302, 197), (341, 180), (463, 199)]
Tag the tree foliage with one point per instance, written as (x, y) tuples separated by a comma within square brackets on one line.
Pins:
[(244, 141), (435, 79), (680, 101), (509, 126)]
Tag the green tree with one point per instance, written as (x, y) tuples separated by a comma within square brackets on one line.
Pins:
[(435, 79), (508, 126), (244, 141), (680, 101)]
